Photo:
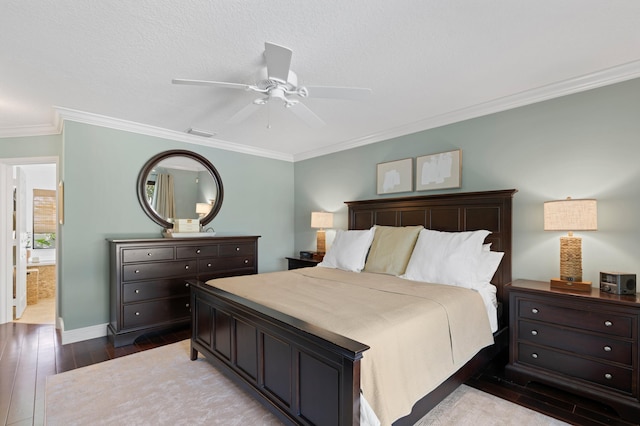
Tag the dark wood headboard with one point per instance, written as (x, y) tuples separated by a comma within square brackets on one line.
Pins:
[(470, 211)]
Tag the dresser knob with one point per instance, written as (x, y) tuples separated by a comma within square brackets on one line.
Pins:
[(534, 310), (237, 248), (246, 261), (608, 323), (137, 271), (534, 332), (186, 285), (137, 314), (148, 253), (186, 267), (534, 355), (187, 305), (198, 251), (607, 348), (608, 376), (208, 265), (137, 291)]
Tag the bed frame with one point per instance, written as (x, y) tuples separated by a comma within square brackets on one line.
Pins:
[(311, 376)]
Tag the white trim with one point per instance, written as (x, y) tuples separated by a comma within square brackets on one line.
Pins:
[(594, 80), (80, 334), (570, 86), (130, 126)]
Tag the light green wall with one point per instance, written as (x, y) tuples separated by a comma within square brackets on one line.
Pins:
[(584, 146), (100, 172), (31, 146)]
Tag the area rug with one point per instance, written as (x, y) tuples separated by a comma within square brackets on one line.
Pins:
[(163, 386)]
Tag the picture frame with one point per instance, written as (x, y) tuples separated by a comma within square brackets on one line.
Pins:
[(439, 171), (394, 176)]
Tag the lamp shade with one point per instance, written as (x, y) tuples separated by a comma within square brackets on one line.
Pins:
[(203, 208), (571, 215), (321, 220)]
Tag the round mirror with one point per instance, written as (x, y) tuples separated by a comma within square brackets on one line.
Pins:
[(179, 184)]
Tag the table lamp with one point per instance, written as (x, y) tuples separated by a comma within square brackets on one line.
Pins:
[(321, 220), (571, 215)]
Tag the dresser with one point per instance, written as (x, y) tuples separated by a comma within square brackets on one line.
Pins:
[(148, 288), (584, 343)]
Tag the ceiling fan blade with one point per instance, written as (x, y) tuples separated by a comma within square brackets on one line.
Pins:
[(349, 93), (278, 61), (244, 113), (308, 116), (212, 83)]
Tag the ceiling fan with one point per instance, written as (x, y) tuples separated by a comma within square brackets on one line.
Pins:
[(279, 83)]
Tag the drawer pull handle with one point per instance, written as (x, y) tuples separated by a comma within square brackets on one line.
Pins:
[(237, 248), (607, 348), (198, 251), (246, 261), (534, 310), (137, 314), (186, 285), (608, 323), (608, 376), (137, 271), (534, 355), (187, 305), (137, 291), (534, 332), (149, 253), (186, 267), (208, 265)]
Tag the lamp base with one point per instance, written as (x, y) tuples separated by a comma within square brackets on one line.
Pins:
[(561, 284)]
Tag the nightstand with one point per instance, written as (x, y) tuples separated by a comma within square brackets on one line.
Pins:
[(585, 343), (297, 262)]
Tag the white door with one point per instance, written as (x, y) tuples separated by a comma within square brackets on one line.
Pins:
[(21, 242)]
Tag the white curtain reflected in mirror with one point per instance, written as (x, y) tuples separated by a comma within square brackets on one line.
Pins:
[(164, 202)]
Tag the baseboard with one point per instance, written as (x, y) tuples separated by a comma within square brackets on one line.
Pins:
[(80, 334)]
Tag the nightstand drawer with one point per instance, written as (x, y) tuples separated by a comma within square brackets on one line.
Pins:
[(618, 378), (605, 348), (585, 319)]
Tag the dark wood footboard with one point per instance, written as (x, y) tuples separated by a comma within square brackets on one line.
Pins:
[(303, 374)]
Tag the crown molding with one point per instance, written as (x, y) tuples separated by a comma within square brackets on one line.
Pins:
[(130, 126), (570, 86)]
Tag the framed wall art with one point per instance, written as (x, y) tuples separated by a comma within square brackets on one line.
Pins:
[(395, 176), (439, 171)]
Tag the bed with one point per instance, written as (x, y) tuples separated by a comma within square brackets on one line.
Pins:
[(307, 373)]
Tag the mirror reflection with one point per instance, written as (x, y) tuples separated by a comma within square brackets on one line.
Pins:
[(179, 185)]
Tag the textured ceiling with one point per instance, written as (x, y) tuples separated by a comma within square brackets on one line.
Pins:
[(428, 63)]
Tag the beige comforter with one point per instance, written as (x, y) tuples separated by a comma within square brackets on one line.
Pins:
[(419, 333)]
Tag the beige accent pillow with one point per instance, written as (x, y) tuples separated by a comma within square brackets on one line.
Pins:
[(391, 249)]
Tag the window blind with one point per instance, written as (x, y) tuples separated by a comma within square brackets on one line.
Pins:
[(44, 211)]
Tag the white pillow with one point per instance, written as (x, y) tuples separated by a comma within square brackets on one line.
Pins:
[(349, 250), (446, 257), (487, 266)]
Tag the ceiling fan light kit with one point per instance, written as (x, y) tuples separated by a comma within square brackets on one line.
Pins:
[(281, 83)]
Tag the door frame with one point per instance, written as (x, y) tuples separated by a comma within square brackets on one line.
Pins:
[(6, 240)]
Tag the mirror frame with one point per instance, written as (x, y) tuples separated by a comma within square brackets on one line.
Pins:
[(153, 162)]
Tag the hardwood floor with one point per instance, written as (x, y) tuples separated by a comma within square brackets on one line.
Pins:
[(29, 353)]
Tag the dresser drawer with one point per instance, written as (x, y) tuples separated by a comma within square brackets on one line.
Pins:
[(147, 254), (155, 312), (614, 377), (155, 289), (146, 271), (225, 264), (241, 249), (606, 348), (602, 322), (197, 251)]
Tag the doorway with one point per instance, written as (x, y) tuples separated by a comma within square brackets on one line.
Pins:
[(29, 241)]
